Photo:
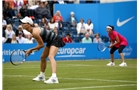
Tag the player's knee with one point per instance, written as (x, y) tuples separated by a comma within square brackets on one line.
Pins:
[(111, 52), (119, 51), (43, 58), (50, 56)]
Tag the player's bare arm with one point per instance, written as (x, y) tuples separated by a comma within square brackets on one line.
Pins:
[(114, 43), (117, 41), (111, 43), (36, 35)]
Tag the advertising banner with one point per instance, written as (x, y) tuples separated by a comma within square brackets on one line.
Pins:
[(74, 51)]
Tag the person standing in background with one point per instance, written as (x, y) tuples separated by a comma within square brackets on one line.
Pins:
[(117, 42)]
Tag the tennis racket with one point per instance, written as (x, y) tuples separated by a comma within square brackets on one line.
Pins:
[(102, 47), (17, 57)]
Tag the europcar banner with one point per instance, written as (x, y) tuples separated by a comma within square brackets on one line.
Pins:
[(73, 51)]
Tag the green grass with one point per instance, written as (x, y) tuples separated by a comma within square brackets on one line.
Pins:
[(73, 75)]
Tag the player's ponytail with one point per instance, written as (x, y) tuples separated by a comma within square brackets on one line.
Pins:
[(33, 25), (112, 27)]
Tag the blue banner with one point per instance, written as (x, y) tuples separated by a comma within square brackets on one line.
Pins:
[(73, 51), (123, 15)]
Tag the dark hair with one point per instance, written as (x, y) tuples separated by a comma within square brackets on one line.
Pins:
[(89, 20), (111, 27), (51, 20), (8, 5), (33, 25), (41, 3), (82, 19), (43, 23), (20, 33), (98, 34), (68, 34)]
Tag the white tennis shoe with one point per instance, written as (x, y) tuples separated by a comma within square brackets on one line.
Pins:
[(52, 80), (39, 78), (123, 64), (111, 64)]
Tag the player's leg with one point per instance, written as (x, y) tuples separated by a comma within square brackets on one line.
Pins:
[(53, 51), (121, 55), (41, 76), (113, 49), (43, 59)]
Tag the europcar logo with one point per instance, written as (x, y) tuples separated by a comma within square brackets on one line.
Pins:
[(71, 52)]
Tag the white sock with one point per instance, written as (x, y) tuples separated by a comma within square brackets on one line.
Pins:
[(53, 74), (42, 73)]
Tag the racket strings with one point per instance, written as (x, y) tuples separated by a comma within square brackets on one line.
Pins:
[(18, 57), (101, 47)]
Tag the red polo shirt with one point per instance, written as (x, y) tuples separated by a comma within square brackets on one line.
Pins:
[(69, 40)]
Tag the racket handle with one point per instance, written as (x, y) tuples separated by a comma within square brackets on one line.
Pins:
[(26, 55), (34, 50)]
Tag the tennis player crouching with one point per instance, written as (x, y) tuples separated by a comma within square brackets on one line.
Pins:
[(53, 43), (117, 42)]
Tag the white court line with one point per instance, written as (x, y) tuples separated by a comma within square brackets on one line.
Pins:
[(16, 67), (77, 65), (69, 65), (84, 79), (17, 76), (100, 80), (91, 87)]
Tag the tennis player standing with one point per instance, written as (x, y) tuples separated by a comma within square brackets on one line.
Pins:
[(53, 43), (117, 42)]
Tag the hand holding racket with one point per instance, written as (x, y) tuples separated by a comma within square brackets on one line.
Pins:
[(28, 52), (17, 57)]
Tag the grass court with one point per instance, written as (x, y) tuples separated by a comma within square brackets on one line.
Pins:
[(73, 75)]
